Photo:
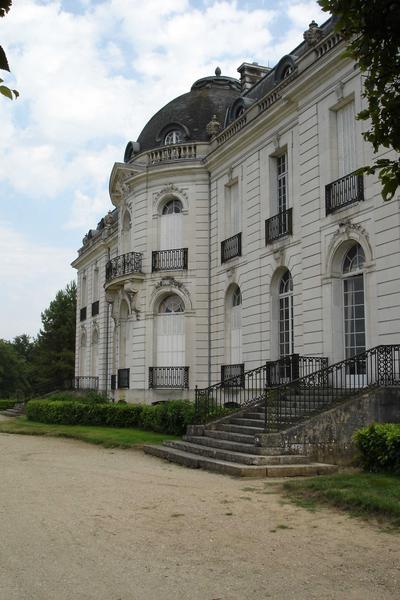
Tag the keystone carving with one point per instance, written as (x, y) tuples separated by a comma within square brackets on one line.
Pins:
[(169, 189)]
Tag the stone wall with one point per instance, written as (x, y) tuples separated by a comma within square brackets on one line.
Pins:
[(328, 436)]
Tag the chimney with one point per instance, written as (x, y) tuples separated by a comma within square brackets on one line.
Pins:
[(250, 73)]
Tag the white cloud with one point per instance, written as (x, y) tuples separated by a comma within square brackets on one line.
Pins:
[(31, 274), (85, 210)]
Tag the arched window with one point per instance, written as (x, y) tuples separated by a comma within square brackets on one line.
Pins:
[(236, 327), (170, 332), (286, 71), (173, 137), (171, 225), (353, 300), (171, 207), (286, 338)]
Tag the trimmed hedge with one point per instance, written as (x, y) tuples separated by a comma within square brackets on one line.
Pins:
[(86, 397), (379, 447), (4, 404), (169, 417)]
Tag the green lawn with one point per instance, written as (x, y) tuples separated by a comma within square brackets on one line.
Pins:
[(361, 494), (110, 437)]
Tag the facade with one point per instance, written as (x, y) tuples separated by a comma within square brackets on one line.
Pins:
[(240, 233)]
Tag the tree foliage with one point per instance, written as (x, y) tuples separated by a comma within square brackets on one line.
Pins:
[(54, 355), (5, 6), (35, 366), (372, 30), (14, 372)]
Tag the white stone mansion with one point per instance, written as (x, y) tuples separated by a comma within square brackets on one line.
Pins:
[(240, 233)]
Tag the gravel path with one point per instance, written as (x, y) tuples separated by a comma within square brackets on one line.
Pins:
[(79, 522)]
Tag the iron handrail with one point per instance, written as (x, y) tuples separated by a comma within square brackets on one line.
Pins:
[(290, 403), (248, 388)]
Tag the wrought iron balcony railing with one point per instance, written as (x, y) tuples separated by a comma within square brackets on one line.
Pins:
[(344, 191), (316, 392), (227, 393), (231, 247), (123, 379), (279, 226), (169, 260), (95, 308), (169, 377), (82, 314), (233, 375), (124, 264), (85, 383)]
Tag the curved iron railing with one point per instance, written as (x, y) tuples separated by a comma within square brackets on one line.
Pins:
[(248, 388), (131, 262), (296, 401)]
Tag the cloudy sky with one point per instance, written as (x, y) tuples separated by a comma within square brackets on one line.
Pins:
[(90, 74)]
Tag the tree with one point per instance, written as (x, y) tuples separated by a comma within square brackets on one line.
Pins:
[(54, 353), (5, 6), (14, 381), (372, 30)]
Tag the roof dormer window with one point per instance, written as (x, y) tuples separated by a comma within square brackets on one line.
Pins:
[(173, 137)]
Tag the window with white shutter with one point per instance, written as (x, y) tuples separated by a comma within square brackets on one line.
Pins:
[(171, 225), (170, 340), (346, 139), (233, 224)]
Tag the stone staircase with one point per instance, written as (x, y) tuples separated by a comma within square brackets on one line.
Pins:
[(16, 411), (228, 446)]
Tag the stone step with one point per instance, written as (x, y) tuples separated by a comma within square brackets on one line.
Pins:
[(237, 457), (242, 420), (260, 416), (230, 436), (300, 470), (195, 461), (13, 412), (224, 444), (239, 429)]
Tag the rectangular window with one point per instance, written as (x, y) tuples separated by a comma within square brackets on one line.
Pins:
[(346, 139), (95, 284), (233, 224), (83, 291), (282, 182)]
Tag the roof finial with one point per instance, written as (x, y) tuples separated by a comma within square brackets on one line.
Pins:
[(218, 72)]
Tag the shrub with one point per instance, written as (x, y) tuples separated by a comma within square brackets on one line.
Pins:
[(86, 397), (170, 417), (4, 404), (379, 447)]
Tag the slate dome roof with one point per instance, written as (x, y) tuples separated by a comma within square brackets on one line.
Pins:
[(191, 112)]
